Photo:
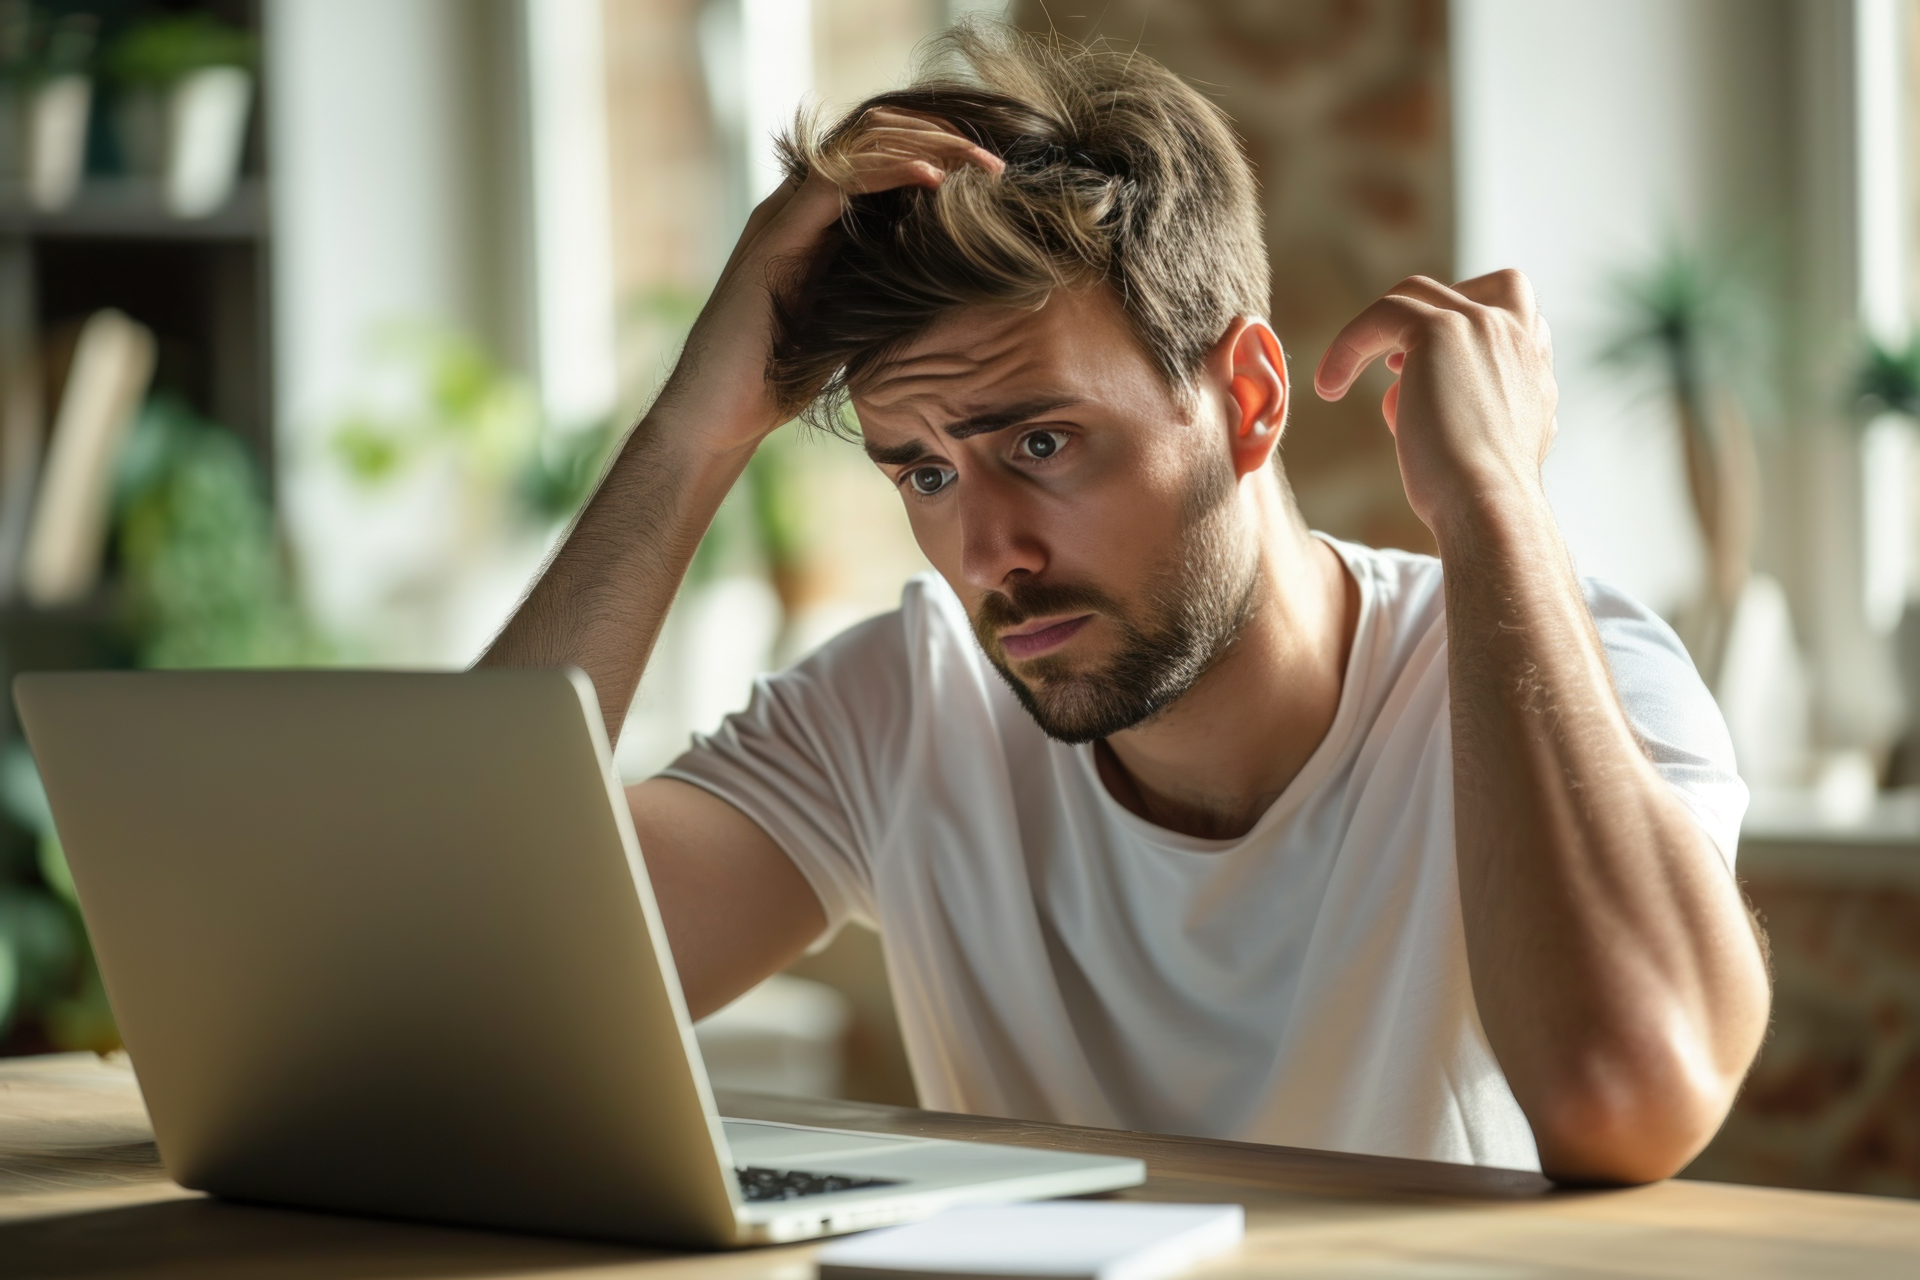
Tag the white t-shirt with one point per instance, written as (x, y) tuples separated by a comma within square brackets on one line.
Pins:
[(1055, 957)]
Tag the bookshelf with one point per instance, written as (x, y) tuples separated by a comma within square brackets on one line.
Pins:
[(202, 285)]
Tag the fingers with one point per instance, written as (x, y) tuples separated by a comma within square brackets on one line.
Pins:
[(765, 212), (1392, 324), (892, 148), (1509, 290), (898, 123), (886, 149), (885, 162)]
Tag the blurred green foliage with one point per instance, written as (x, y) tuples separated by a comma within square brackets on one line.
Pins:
[(1696, 318), (1889, 380), (46, 967), (457, 399), (159, 51), (204, 578), (563, 470), (459, 403)]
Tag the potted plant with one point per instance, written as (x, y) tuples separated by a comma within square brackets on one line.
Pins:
[(1701, 324), (186, 86), (1680, 318), (46, 95)]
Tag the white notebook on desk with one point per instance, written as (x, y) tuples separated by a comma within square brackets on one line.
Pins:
[(1066, 1240)]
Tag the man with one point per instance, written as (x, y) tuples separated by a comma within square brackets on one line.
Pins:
[(1171, 814)]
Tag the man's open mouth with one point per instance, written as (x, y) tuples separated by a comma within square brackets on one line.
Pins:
[(1036, 638)]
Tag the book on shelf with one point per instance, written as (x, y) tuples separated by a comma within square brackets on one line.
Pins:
[(66, 523)]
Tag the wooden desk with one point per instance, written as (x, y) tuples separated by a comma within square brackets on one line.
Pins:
[(82, 1195)]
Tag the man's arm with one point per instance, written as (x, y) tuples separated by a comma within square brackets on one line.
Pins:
[(1615, 968), (735, 907), (601, 601)]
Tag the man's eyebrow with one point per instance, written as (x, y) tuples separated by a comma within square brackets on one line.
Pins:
[(1000, 419), (895, 455), (899, 455)]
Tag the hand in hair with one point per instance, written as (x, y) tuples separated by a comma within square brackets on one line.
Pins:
[(600, 604), (721, 376)]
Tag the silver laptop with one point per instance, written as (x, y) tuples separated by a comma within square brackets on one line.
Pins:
[(384, 943)]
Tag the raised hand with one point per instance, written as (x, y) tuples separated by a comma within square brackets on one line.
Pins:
[(1472, 413), (719, 382), (600, 604)]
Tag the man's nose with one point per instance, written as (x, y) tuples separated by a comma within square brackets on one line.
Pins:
[(998, 537)]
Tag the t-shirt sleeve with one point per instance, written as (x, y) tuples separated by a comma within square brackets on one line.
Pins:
[(812, 760), (1671, 710)]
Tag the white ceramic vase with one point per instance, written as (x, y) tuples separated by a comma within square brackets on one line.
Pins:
[(206, 132), (54, 150)]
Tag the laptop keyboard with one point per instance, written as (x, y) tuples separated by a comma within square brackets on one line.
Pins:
[(791, 1184)]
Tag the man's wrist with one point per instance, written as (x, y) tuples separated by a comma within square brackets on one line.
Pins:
[(687, 443), (1497, 520)]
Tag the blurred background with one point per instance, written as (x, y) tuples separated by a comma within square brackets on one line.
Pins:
[(319, 318)]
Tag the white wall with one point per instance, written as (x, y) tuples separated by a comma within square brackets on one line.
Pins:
[(1586, 133), (572, 209), (438, 161), (370, 182)]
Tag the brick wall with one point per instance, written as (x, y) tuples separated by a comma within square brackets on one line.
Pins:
[(1833, 1103), (1343, 106)]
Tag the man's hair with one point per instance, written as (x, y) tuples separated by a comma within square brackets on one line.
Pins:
[(1117, 172)]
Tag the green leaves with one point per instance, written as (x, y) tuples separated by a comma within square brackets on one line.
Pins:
[(449, 400), (157, 53), (445, 396), (205, 582), (562, 473), (1890, 380), (1694, 319), (39, 950), (45, 964)]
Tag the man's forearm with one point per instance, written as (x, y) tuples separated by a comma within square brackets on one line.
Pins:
[(1613, 963), (600, 603)]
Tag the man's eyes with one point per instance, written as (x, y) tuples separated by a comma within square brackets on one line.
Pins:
[(1040, 445), (928, 479)]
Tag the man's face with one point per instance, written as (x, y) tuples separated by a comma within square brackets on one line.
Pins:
[(1087, 520)]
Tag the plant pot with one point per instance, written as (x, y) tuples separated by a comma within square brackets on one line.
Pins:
[(206, 129), (44, 148)]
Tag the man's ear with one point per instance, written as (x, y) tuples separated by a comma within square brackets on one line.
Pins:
[(1257, 389)]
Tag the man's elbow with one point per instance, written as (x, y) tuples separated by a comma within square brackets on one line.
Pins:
[(1615, 1131)]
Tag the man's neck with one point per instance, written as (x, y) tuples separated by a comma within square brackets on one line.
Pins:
[(1213, 762)]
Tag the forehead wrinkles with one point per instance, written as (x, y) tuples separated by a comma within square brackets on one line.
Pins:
[(943, 374)]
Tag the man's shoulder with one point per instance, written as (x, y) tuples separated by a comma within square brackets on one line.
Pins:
[(1409, 586), (1407, 602), (1400, 589), (1620, 616)]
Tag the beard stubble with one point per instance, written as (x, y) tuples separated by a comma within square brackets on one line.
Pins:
[(1194, 608)]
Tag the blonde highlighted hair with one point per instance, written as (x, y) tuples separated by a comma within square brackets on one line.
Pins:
[(1118, 173)]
